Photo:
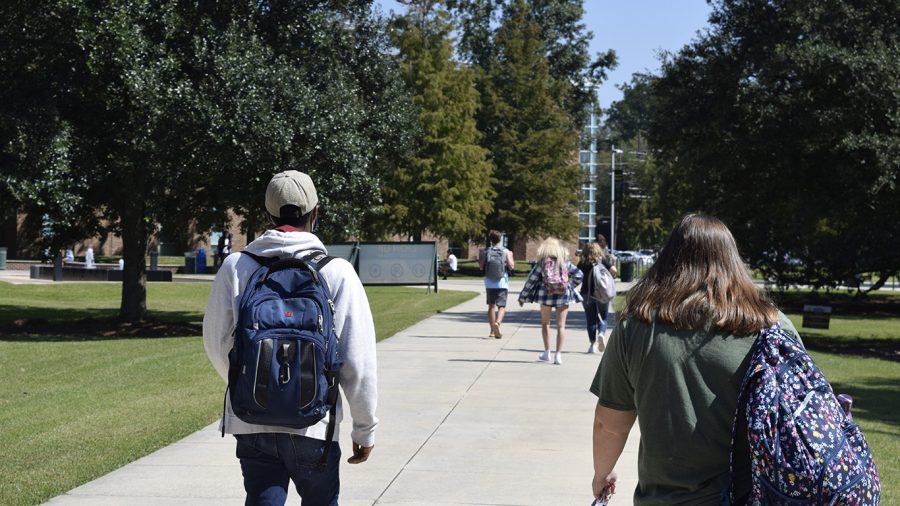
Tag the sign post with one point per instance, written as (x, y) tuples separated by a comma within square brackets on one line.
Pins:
[(816, 317)]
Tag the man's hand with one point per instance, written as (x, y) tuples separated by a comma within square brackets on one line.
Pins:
[(360, 454), (605, 487)]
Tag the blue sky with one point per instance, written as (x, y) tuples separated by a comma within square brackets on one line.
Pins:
[(636, 29)]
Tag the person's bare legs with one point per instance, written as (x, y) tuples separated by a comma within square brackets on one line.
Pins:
[(492, 317), (561, 313), (545, 326), (501, 312)]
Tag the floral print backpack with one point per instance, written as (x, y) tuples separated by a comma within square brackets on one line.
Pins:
[(555, 275), (804, 447)]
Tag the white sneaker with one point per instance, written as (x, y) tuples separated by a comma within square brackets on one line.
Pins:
[(558, 358), (600, 345), (592, 348), (545, 356)]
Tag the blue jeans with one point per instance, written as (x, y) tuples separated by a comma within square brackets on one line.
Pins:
[(596, 314), (269, 461)]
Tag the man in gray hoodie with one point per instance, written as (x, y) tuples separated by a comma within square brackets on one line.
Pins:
[(272, 456)]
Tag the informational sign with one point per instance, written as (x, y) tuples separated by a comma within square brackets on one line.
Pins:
[(816, 317), (345, 251), (398, 263)]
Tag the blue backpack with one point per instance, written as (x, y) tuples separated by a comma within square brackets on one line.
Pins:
[(283, 368), (804, 446)]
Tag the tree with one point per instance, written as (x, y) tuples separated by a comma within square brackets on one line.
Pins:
[(629, 118), (567, 46), (639, 202), (443, 187), (565, 43), (783, 119), (186, 109), (640, 215), (532, 140)]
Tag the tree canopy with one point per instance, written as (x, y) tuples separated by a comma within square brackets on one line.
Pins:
[(444, 187), (784, 120), (133, 111), (564, 41), (533, 142)]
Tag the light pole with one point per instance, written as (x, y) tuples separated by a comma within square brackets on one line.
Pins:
[(612, 199)]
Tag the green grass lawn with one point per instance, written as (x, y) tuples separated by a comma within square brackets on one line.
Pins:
[(393, 308), (75, 408), (874, 385)]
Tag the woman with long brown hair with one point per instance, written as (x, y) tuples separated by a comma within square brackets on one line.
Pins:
[(596, 313), (675, 362)]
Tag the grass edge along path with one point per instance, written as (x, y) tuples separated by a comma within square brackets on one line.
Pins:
[(75, 408)]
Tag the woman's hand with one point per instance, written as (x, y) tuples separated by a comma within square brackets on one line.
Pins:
[(605, 487)]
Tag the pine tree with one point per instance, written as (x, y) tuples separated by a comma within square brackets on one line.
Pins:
[(532, 139), (444, 188)]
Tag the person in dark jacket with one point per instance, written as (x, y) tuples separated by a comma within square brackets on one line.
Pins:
[(596, 313)]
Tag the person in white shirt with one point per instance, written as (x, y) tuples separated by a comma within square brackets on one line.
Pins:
[(272, 456)]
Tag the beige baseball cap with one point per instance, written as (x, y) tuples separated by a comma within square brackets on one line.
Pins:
[(291, 188)]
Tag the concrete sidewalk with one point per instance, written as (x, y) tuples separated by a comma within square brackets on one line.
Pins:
[(464, 420)]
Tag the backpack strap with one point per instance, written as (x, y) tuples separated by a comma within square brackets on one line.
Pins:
[(758, 345), (261, 260), (314, 257), (333, 378), (318, 259)]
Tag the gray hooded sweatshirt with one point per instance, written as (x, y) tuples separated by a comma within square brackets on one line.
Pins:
[(353, 324)]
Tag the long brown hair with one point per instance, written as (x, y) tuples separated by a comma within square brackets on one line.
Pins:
[(592, 253), (699, 280)]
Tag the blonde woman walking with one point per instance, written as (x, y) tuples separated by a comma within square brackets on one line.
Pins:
[(551, 283)]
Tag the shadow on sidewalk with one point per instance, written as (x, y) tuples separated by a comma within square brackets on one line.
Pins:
[(494, 361), (529, 315)]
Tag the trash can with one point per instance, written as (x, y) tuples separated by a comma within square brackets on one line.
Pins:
[(201, 261), (190, 263), (2, 258), (626, 271)]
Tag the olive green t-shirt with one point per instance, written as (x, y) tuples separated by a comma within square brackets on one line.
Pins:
[(684, 386)]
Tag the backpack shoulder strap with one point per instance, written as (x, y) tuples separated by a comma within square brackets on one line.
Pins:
[(316, 258), (756, 349), (261, 260)]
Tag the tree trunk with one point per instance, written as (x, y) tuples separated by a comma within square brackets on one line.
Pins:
[(134, 278), (882, 279)]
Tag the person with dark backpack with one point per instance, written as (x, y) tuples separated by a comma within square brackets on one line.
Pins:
[(285, 327), (731, 408), (496, 262), (598, 280)]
